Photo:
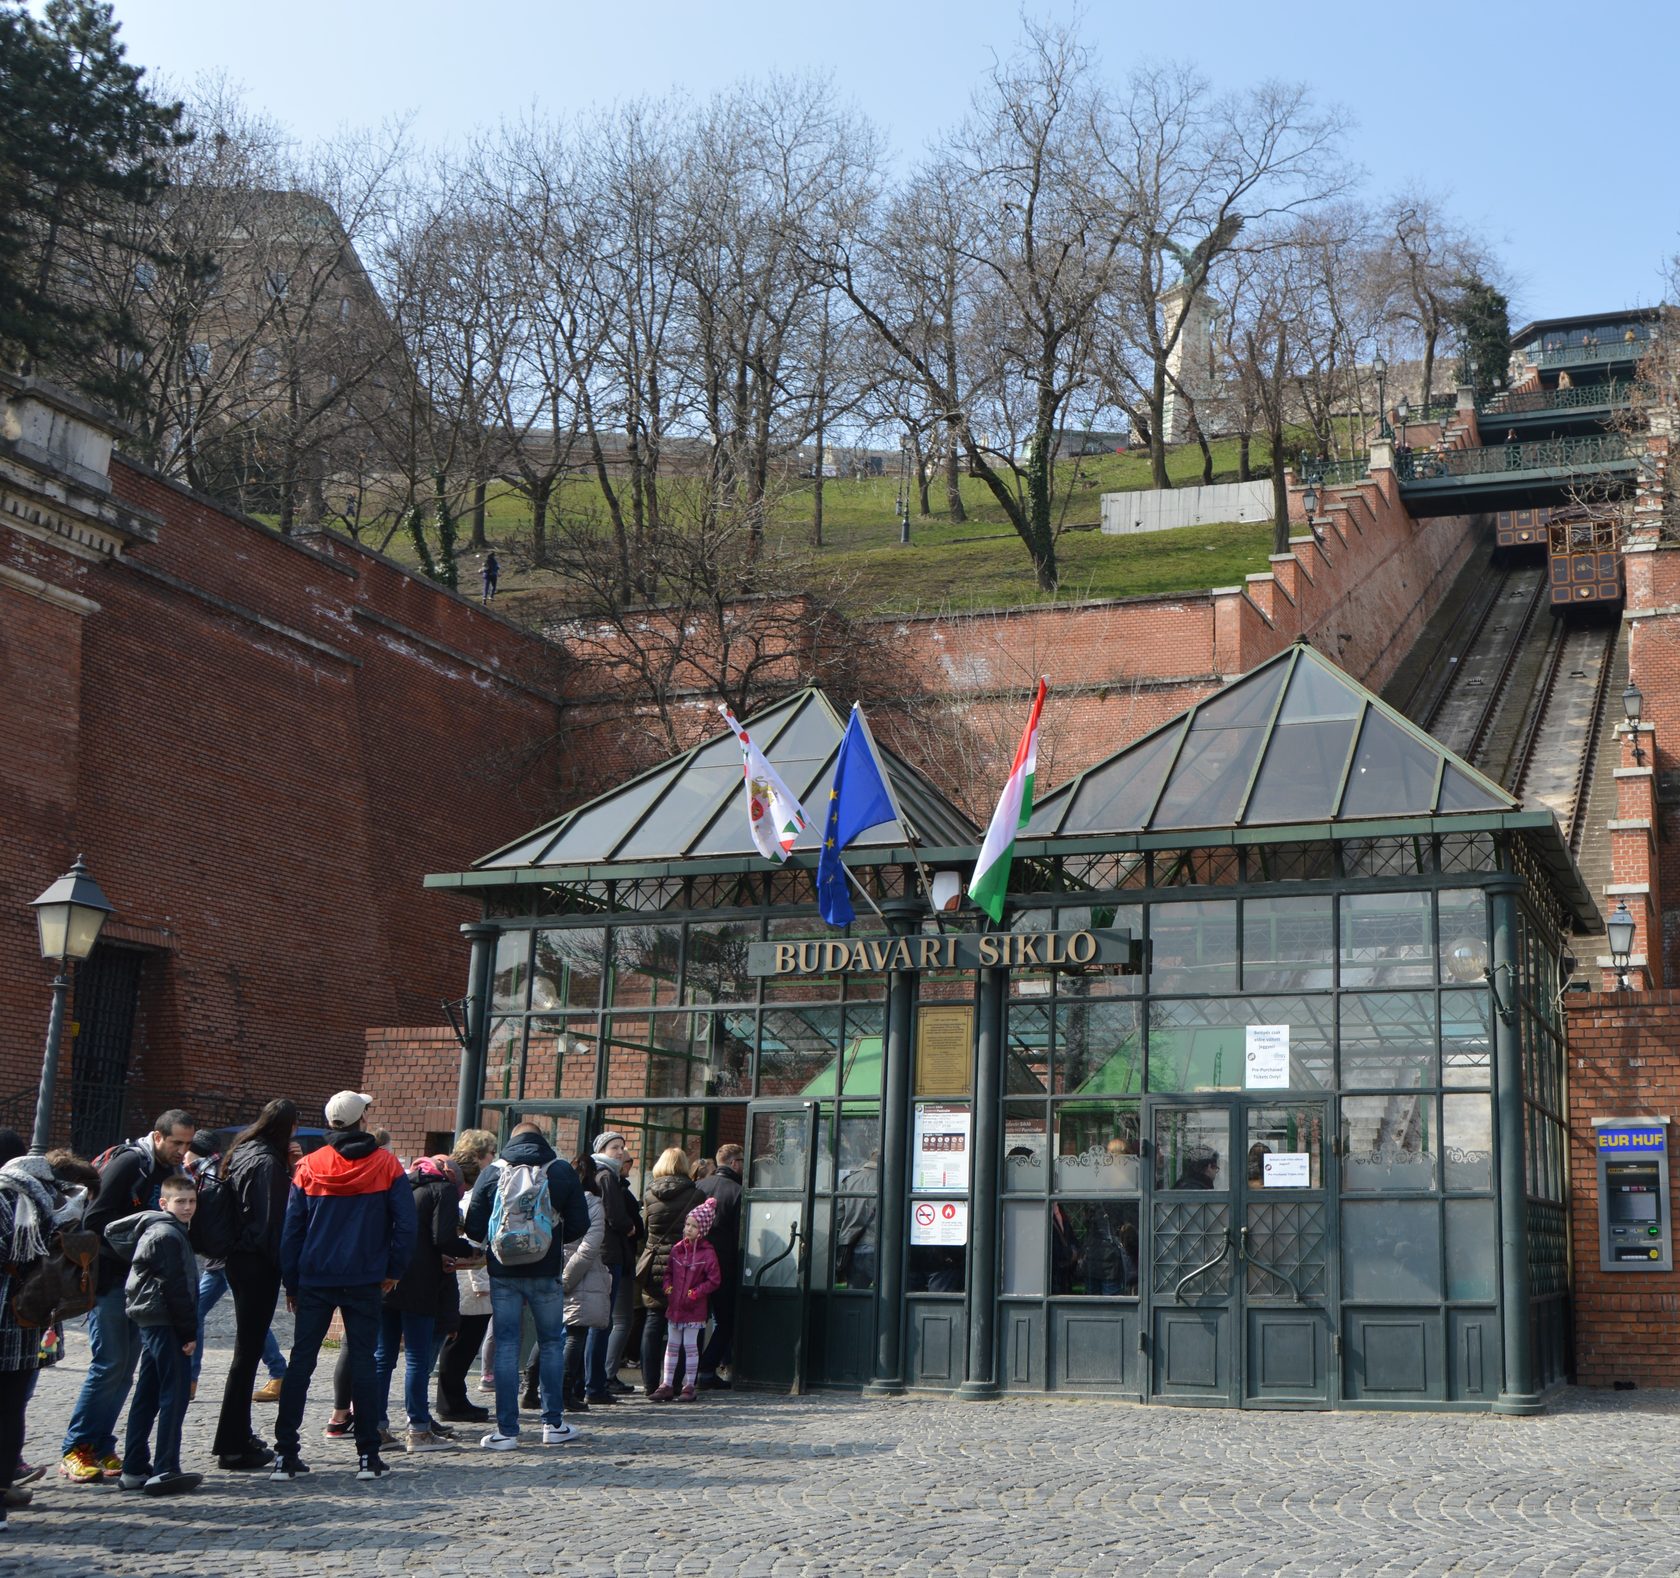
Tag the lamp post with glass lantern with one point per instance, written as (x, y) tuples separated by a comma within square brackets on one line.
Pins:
[(1618, 930), (1404, 412), (1380, 368), (1633, 703), (68, 916)]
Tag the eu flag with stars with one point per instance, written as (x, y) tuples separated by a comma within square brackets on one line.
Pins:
[(858, 801)]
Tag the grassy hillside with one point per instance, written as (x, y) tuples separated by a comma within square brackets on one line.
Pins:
[(980, 563)]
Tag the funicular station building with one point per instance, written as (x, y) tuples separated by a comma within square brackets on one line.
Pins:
[(1256, 1099)]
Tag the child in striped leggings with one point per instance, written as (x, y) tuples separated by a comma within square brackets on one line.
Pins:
[(691, 1277)]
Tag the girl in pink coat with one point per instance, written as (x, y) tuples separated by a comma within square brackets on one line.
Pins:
[(691, 1278)]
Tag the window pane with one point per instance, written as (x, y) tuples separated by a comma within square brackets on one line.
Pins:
[(1098, 1048), (1026, 1147), (1023, 1248), (1104, 1236), (1467, 1141), (513, 976), (1026, 1069), (1391, 1251), (770, 1225), (1200, 1044), (1119, 797), (644, 960), (797, 1052), (1472, 1250), (1464, 920), (860, 1153), (1208, 781), (938, 1268), (1192, 1148), (568, 968), (803, 988), (1393, 774), (1387, 1143), (1387, 940), (1388, 1040), (1100, 917), (501, 1063), (1302, 772), (677, 1054), (1285, 1131), (1288, 945), (716, 968), (560, 1059), (1466, 1039), (856, 1237), (1097, 1149), (1193, 947), (777, 1150)]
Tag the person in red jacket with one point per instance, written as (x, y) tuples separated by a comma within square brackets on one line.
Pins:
[(692, 1275)]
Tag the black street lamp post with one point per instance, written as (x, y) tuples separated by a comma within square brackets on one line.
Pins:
[(1380, 368), (69, 916), (1618, 931), (1404, 412)]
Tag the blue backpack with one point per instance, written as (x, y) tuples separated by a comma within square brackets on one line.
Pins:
[(522, 1219)]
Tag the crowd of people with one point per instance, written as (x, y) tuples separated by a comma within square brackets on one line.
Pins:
[(453, 1262)]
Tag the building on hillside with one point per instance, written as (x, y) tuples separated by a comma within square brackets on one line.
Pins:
[(259, 744)]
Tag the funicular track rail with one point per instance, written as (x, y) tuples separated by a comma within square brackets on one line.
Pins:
[(1463, 714), (1555, 765)]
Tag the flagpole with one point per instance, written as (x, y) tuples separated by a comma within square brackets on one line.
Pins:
[(864, 891), (903, 821)]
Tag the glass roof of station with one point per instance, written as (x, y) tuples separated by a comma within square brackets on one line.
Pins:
[(1295, 740), (692, 806)]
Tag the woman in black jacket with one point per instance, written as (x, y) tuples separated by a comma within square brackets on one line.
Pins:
[(425, 1290), (259, 1171), (670, 1197)]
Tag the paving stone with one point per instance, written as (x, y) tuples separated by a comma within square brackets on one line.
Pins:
[(749, 1484)]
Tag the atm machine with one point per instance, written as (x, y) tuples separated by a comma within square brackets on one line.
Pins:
[(1633, 1209)]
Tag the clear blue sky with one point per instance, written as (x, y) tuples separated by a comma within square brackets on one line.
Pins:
[(1550, 126)]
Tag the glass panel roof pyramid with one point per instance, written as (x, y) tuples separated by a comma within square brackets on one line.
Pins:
[(693, 806), (1294, 740)]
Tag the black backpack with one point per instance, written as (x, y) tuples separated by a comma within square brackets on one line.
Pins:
[(218, 1222)]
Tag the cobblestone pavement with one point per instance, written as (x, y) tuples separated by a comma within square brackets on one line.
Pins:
[(754, 1485)]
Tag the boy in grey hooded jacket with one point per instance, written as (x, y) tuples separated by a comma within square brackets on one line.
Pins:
[(161, 1298)]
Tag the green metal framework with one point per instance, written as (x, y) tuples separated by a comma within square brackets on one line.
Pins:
[(1593, 452), (1612, 394)]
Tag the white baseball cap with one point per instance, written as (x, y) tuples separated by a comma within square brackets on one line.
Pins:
[(348, 1107)]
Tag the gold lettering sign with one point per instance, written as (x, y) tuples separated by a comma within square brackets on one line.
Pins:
[(1029, 950), (944, 1050)]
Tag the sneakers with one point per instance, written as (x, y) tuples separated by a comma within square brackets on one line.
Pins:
[(134, 1481), (686, 1395), (371, 1466), (28, 1473), (176, 1484), (559, 1435), (268, 1392), (487, 1383), (110, 1465), (426, 1441), (497, 1442), (340, 1429), (246, 1462), (81, 1466), (288, 1465)]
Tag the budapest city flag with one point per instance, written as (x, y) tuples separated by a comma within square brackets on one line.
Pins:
[(774, 816), (991, 871)]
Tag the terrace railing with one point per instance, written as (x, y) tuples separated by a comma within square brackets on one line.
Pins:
[(1555, 454), (1577, 397)]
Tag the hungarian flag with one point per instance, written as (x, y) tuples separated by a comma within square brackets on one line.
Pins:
[(774, 817), (1014, 808)]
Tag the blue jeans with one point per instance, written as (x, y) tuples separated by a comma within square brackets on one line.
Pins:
[(211, 1286), (160, 1393), (116, 1349), (360, 1307), (415, 1333), (510, 1297), (595, 1346)]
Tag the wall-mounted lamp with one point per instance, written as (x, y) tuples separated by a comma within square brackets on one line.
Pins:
[(1633, 703), (1467, 960), (1619, 930), (947, 890)]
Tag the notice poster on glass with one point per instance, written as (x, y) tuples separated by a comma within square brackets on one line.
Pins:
[(1266, 1057), (940, 1158), (939, 1222), (1286, 1170)]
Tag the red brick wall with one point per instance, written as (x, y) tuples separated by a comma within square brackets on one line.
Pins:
[(412, 1075), (261, 746), (1624, 1062)]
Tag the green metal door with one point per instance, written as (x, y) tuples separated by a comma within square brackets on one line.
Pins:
[(1239, 1286), (777, 1219)]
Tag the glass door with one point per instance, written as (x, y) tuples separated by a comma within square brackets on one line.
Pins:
[(777, 1214), (1239, 1254), (566, 1125)]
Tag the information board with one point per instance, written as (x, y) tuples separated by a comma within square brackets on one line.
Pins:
[(939, 1222), (944, 1050), (941, 1156), (1266, 1057)]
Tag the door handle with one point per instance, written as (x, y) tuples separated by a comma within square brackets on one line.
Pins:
[(1190, 1276), (1270, 1270)]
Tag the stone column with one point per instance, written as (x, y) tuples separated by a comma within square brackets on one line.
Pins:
[(483, 936)]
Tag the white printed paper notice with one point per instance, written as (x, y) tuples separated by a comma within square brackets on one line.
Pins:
[(1286, 1170), (1266, 1058)]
